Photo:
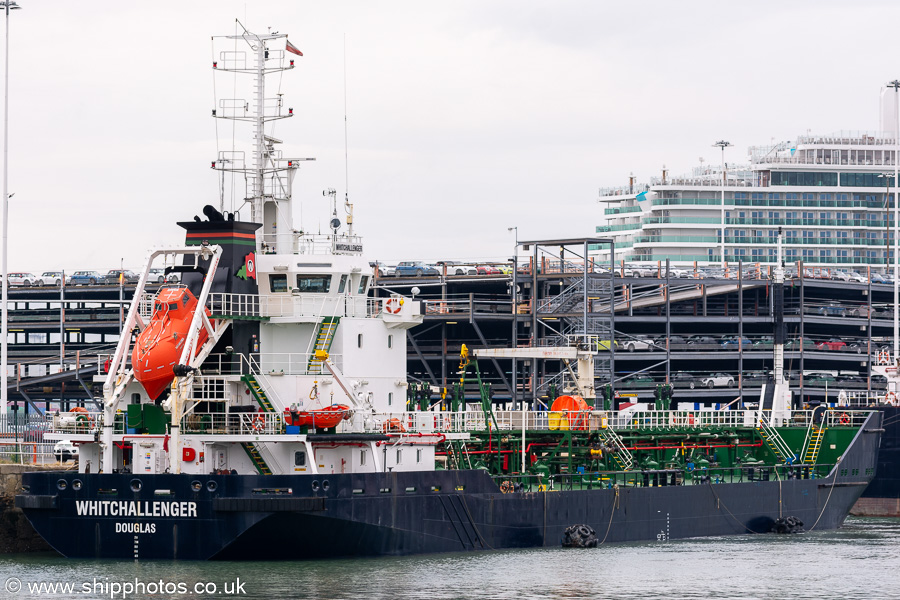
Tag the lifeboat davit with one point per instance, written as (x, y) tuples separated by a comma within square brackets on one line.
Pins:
[(325, 418), (160, 344), (569, 412)]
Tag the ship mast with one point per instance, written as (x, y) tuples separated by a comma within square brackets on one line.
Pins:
[(269, 176)]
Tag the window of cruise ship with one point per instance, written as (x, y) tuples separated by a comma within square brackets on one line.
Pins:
[(804, 179), (313, 284), (808, 253), (808, 234)]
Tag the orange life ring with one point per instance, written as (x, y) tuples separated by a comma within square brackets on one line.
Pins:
[(259, 423), (890, 398), (844, 419), (393, 306), (884, 357)]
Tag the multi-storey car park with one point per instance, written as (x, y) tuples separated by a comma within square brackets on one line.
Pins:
[(679, 330)]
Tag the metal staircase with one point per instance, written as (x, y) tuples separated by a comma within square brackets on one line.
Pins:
[(257, 392), (324, 338), (459, 455), (617, 448), (775, 442), (253, 452), (815, 443)]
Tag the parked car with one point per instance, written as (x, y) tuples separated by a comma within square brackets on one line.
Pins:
[(84, 278), (764, 343), (841, 276), (683, 380), (487, 270), (717, 380), (851, 381), (833, 309), (858, 347), (382, 270), (158, 275), (23, 279), (754, 378), (642, 272), (878, 278), (635, 381), (819, 379), (862, 311), (834, 344), (638, 343), (702, 342), (675, 341), (63, 450), (733, 342), (54, 278), (116, 276), (415, 268), (795, 344), (604, 344)]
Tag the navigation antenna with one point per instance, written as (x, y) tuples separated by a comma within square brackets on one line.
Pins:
[(348, 208)]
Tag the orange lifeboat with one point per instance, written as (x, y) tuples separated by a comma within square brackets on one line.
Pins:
[(569, 412), (160, 344), (325, 418)]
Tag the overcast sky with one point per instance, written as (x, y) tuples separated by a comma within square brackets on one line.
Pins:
[(465, 118)]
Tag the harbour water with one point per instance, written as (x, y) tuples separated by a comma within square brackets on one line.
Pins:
[(857, 561)]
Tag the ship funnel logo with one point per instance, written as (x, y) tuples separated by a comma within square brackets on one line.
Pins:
[(248, 271)]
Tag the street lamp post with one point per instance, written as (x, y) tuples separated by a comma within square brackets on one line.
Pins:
[(896, 85), (7, 6), (723, 144)]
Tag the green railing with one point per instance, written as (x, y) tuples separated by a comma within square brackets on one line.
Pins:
[(625, 227), (624, 209), (692, 220), (701, 239)]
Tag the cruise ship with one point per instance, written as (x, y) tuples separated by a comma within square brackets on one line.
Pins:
[(831, 194)]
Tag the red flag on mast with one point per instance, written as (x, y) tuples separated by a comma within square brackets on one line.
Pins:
[(292, 48)]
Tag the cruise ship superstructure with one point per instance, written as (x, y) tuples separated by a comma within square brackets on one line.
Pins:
[(829, 193)]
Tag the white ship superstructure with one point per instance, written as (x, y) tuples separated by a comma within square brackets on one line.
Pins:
[(290, 358), (831, 194)]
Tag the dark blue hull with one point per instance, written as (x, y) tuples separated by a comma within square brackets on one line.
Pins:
[(306, 516)]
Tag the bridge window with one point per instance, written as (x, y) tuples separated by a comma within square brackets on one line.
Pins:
[(313, 284), (278, 283), (300, 458), (343, 285), (363, 282)]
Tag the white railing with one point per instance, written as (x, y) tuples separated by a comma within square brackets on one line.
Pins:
[(663, 420), (254, 423)]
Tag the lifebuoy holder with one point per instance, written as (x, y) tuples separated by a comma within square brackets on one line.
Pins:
[(393, 305)]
